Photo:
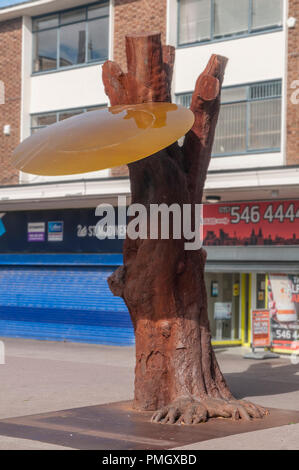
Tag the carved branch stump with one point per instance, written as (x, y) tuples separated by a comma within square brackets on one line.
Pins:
[(177, 374)]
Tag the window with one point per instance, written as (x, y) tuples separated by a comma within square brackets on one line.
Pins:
[(230, 19), (195, 21), (205, 20), (70, 38), (249, 119), (39, 121)]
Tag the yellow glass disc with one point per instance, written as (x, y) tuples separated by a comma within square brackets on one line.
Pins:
[(102, 139)]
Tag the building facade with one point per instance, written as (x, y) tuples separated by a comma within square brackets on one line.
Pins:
[(50, 69)]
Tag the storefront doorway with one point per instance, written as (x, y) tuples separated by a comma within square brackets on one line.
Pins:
[(223, 290)]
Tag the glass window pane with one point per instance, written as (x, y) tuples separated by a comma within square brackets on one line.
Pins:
[(195, 21), (96, 11), (72, 16), (98, 39), (266, 13), (43, 119), (223, 305), (184, 99), (46, 22), (230, 136), (231, 17), (72, 44), (265, 124), (261, 301), (233, 94), (45, 50), (68, 114)]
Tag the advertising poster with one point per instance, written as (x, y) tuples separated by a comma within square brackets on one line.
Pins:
[(283, 302), (36, 231), (261, 330), (251, 223), (222, 310), (55, 231)]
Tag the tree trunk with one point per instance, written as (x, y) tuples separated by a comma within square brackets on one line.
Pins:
[(162, 284)]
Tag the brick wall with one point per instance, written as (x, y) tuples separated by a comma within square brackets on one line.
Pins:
[(293, 74), (130, 17), (136, 16), (10, 74)]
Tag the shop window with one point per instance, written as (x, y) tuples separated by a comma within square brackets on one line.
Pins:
[(207, 20), (249, 119), (39, 121), (223, 291), (70, 38)]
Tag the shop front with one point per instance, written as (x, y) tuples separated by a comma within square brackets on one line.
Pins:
[(53, 274), (53, 279), (253, 263)]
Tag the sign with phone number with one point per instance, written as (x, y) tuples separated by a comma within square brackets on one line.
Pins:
[(252, 223)]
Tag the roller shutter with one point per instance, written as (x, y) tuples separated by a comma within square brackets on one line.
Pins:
[(71, 303)]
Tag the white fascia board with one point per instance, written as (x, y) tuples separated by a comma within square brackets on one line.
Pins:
[(277, 177), (38, 7), (253, 178), (65, 189)]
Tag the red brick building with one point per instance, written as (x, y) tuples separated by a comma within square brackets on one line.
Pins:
[(10, 110), (292, 150)]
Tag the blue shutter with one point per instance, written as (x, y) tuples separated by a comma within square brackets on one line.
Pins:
[(72, 303)]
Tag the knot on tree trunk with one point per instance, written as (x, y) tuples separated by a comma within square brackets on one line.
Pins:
[(116, 281)]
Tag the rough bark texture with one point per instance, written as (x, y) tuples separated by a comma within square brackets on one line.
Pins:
[(162, 284)]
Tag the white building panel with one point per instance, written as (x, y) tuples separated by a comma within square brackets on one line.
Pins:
[(76, 88), (251, 59)]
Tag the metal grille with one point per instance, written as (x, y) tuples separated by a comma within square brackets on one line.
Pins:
[(264, 130), (265, 90), (230, 136), (249, 118)]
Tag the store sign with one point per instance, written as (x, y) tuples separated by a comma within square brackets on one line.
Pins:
[(222, 310), (55, 231), (36, 231), (261, 329), (251, 223), (283, 302), (260, 223)]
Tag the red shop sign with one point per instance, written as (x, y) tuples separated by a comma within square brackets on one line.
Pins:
[(251, 223)]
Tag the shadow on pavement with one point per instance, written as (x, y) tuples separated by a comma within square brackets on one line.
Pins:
[(264, 378)]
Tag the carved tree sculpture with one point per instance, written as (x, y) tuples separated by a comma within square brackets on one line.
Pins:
[(177, 374)]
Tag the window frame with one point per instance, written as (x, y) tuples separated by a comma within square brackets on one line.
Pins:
[(248, 99), (60, 25), (57, 112), (229, 37)]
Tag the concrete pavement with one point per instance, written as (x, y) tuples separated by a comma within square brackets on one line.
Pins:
[(44, 376)]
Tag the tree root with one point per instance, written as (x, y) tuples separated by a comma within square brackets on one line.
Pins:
[(194, 411)]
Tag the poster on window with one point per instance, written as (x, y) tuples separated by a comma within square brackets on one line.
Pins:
[(222, 310), (251, 223), (283, 302)]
